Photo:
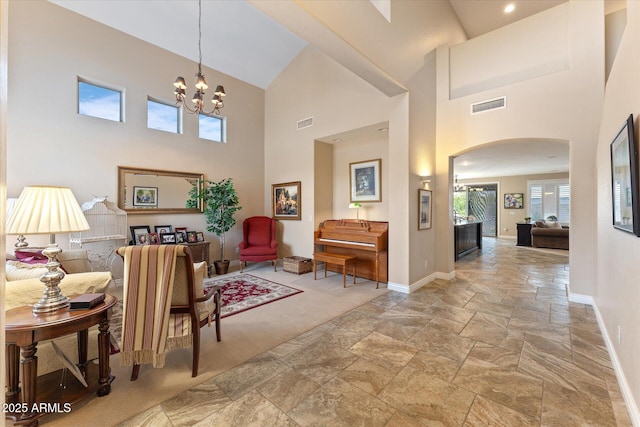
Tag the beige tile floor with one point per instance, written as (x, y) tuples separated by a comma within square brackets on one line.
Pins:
[(499, 345)]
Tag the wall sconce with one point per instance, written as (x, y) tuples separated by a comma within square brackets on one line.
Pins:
[(425, 181)]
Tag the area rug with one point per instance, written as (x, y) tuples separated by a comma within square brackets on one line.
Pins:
[(239, 293), (244, 292)]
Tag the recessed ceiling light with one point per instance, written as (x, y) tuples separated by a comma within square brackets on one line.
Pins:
[(383, 129), (509, 8)]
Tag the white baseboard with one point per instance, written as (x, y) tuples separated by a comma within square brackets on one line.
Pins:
[(582, 299), (407, 289), (634, 414)]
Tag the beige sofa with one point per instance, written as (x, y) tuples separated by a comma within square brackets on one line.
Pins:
[(78, 280)]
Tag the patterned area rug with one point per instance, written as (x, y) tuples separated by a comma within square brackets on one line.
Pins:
[(239, 293), (244, 292)]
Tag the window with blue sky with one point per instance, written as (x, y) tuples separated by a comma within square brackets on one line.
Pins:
[(163, 116), (99, 101), (211, 127)]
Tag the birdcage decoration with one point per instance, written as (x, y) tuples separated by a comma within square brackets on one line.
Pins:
[(106, 220)]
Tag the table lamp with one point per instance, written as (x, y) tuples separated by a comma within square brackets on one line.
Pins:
[(48, 210), (356, 206)]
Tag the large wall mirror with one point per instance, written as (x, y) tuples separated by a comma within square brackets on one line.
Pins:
[(152, 191)]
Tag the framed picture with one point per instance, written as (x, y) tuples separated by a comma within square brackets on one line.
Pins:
[(145, 196), (624, 180), (181, 237), (200, 236), (181, 229), (513, 200), (138, 230), (424, 209), (168, 238), (154, 239), (286, 200), (163, 229), (364, 180), (192, 237)]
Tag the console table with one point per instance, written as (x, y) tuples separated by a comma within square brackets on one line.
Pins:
[(24, 329), (524, 233), (200, 252)]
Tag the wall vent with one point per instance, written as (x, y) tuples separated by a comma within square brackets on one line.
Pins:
[(491, 104), (305, 123)]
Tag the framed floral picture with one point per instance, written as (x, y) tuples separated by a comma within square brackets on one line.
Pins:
[(145, 197), (424, 209), (286, 200), (514, 201), (365, 181)]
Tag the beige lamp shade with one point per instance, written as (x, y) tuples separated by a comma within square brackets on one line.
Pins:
[(46, 210)]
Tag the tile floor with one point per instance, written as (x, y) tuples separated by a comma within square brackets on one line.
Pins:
[(499, 345)]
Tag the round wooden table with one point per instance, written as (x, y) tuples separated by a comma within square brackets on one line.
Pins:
[(24, 329)]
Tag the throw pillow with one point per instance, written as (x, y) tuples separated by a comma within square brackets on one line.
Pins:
[(199, 273), (16, 270), (540, 224), (31, 256), (553, 224)]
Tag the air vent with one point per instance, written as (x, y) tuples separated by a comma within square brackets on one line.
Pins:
[(492, 104), (305, 123)]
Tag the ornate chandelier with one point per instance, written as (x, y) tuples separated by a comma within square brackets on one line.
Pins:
[(201, 83)]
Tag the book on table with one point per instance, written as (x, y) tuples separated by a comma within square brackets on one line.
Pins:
[(85, 301)]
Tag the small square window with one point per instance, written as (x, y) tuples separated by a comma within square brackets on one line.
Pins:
[(99, 101), (212, 128), (162, 116)]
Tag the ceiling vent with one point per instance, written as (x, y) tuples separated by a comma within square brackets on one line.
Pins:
[(305, 123), (491, 104)]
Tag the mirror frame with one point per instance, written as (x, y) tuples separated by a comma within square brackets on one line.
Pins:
[(122, 170)]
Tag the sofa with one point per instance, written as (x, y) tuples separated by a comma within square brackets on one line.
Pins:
[(549, 234), (23, 287)]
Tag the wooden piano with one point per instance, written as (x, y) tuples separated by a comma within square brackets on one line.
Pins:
[(366, 240)]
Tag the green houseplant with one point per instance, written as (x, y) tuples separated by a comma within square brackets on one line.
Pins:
[(220, 205)]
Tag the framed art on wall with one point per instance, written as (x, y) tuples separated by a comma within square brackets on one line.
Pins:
[(145, 196), (513, 200), (286, 200), (424, 209), (364, 181), (624, 180)]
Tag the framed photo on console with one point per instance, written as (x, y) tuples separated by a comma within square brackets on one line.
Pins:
[(364, 180), (168, 238), (137, 231), (286, 200)]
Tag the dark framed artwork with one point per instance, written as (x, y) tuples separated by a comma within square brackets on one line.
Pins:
[(192, 236), (168, 238), (513, 200), (181, 237), (286, 200), (145, 197), (200, 236), (154, 239), (365, 182), (424, 209), (139, 230), (624, 179)]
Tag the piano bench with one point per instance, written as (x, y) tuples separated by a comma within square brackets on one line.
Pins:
[(338, 259)]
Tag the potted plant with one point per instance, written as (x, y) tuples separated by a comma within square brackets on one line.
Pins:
[(220, 205)]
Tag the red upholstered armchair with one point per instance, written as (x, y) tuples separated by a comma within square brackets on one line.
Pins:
[(259, 242)]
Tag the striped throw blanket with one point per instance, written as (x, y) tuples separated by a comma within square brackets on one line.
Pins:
[(148, 329)]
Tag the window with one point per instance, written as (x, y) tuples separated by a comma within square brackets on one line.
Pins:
[(163, 116), (212, 128), (99, 101), (550, 198)]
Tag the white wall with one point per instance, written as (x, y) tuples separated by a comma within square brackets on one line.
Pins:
[(617, 293), (49, 143), (565, 105), (315, 85)]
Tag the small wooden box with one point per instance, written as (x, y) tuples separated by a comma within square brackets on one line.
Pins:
[(297, 264)]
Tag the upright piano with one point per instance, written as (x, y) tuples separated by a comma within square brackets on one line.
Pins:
[(366, 240)]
